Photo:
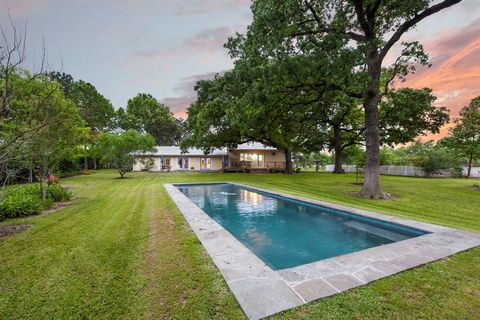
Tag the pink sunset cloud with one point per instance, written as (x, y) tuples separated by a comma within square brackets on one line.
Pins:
[(178, 105), (204, 47), (23, 7), (455, 72)]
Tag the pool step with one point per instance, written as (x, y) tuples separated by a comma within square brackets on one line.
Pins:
[(375, 230)]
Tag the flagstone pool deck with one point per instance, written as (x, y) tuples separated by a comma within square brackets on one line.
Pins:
[(262, 291)]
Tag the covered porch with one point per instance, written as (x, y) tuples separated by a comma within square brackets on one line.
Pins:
[(255, 161)]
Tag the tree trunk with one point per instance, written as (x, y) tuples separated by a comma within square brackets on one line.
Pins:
[(371, 186), (470, 160), (122, 173), (317, 166), (94, 163), (337, 147), (288, 162), (44, 190), (30, 172), (85, 163)]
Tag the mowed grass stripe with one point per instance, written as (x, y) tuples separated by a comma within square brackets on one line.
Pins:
[(83, 264), (184, 283)]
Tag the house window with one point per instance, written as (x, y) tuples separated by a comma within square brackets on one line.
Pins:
[(166, 163), (183, 163), (205, 163), (255, 159)]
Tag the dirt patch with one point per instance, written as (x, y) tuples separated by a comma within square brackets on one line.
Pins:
[(56, 206), (12, 229), (390, 196)]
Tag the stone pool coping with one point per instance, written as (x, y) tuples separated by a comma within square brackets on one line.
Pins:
[(262, 291)]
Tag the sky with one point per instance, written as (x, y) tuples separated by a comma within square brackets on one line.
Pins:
[(163, 47)]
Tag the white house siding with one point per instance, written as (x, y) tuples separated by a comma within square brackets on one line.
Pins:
[(275, 156), (216, 163), (139, 166), (194, 162), (217, 156)]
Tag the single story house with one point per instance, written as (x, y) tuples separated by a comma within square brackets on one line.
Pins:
[(246, 157)]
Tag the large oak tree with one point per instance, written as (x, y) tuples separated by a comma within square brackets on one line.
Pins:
[(369, 28)]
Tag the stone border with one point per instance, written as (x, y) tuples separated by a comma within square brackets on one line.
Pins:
[(262, 291)]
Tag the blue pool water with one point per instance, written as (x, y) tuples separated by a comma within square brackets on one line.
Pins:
[(284, 232)]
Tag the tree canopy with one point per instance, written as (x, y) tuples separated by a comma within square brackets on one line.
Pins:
[(119, 149), (145, 114), (355, 33), (465, 135)]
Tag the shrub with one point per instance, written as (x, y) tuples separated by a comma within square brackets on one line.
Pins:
[(27, 200), (435, 159), (21, 202), (58, 193)]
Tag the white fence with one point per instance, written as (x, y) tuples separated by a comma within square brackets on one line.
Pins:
[(408, 171)]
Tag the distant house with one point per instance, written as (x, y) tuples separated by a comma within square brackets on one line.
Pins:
[(246, 157)]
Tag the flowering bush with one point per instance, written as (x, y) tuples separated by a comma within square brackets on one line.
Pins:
[(53, 180)]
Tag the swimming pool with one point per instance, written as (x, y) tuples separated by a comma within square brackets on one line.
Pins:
[(285, 232)]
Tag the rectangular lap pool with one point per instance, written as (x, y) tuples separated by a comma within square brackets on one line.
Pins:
[(285, 232)]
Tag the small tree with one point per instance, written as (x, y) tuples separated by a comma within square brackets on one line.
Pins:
[(433, 158), (119, 149), (318, 158), (465, 138)]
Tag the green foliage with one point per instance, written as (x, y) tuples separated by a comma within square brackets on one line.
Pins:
[(354, 155), (94, 108), (58, 193), (119, 149), (61, 141), (407, 113), (27, 200), (465, 136), (24, 201), (434, 158), (64, 79), (396, 157), (249, 103), (344, 44), (145, 114)]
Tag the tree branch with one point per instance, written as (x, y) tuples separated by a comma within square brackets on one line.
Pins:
[(410, 23)]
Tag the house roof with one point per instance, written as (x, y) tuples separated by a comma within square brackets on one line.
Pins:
[(254, 146), (176, 151)]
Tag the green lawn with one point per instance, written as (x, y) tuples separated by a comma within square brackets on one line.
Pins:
[(121, 250)]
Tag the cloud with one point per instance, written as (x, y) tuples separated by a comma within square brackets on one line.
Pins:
[(203, 47), (195, 7), (455, 72), (178, 105), (23, 7)]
